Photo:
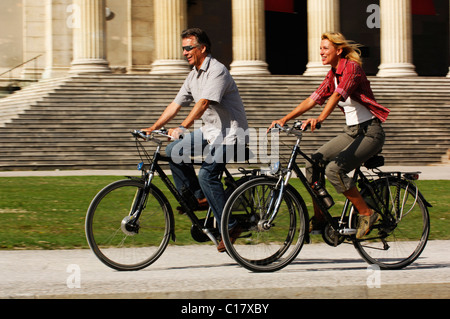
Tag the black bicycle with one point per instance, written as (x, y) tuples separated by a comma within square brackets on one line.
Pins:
[(275, 218), (130, 222)]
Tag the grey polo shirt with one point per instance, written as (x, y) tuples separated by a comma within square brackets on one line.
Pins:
[(225, 120)]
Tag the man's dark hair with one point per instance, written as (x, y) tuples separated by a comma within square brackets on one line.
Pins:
[(202, 37)]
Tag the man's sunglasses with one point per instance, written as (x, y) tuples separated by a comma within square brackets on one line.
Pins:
[(189, 48)]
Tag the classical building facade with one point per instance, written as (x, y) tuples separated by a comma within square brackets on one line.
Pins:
[(252, 37)]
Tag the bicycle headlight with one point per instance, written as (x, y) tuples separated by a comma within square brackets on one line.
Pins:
[(275, 168)]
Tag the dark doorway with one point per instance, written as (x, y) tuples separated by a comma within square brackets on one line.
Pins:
[(430, 39), (286, 40), (216, 21)]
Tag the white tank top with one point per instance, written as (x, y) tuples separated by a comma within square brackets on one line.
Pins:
[(355, 113)]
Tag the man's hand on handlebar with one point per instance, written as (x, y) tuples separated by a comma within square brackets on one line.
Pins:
[(139, 134), (177, 133), (147, 132)]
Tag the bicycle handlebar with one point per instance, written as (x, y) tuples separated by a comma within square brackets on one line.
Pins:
[(163, 132), (297, 127), (140, 134)]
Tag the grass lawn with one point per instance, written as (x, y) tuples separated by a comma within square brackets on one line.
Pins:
[(49, 212)]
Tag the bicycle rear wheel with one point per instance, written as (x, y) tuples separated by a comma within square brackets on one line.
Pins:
[(118, 239), (401, 235), (264, 248)]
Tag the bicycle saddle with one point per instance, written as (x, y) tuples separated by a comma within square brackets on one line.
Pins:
[(374, 162)]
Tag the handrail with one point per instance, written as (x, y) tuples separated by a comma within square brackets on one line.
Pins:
[(23, 63)]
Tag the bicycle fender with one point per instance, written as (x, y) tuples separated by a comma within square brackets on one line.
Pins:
[(426, 203)]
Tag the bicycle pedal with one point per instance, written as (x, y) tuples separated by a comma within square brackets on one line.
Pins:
[(347, 231)]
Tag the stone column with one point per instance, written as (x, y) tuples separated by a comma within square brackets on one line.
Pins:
[(323, 16), (141, 45), (396, 39), (58, 43), (33, 38), (170, 21), (89, 46), (249, 42)]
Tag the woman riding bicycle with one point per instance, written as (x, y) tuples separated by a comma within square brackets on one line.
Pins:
[(345, 86)]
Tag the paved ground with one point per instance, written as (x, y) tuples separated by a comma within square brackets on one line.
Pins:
[(199, 272)]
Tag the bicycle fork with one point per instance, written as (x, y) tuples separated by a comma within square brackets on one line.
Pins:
[(275, 201), (130, 224), (283, 181)]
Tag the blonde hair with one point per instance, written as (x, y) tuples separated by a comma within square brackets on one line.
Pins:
[(350, 49)]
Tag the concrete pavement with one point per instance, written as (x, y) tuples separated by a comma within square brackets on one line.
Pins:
[(199, 272)]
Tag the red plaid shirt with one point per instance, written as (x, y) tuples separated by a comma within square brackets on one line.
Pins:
[(352, 81)]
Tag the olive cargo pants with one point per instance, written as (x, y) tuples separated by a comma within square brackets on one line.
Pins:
[(347, 151)]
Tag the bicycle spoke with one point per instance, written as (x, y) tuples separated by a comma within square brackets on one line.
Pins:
[(263, 247), (399, 238), (119, 239)]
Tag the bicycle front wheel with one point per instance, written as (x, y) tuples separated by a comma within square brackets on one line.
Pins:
[(262, 247), (120, 240), (401, 235)]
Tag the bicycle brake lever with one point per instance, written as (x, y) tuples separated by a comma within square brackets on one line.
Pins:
[(279, 127), (139, 134)]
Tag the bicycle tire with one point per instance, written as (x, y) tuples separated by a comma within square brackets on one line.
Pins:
[(264, 250), (108, 229), (396, 244)]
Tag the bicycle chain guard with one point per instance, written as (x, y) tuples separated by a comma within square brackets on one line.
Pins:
[(332, 237), (199, 236)]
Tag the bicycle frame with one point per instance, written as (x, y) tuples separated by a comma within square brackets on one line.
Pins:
[(338, 224), (148, 176), (335, 223), (292, 166), (110, 223)]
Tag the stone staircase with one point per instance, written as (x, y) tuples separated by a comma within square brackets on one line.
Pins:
[(83, 122), (11, 106)]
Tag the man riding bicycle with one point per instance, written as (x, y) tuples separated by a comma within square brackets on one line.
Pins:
[(219, 105)]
